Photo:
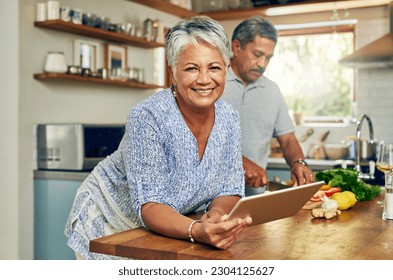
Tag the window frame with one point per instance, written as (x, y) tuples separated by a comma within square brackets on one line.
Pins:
[(343, 28)]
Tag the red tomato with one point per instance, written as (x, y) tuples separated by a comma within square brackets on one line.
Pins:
[(331, 191)]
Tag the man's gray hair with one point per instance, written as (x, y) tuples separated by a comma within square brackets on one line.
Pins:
[(246, 31), (196, 30)]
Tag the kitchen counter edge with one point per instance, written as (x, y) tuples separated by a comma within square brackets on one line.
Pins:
[(61, 175), (314, 164), (273, 163)]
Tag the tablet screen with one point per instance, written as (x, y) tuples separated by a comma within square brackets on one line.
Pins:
[(271, 206)]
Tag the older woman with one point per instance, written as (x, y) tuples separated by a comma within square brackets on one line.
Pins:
[(181, 150)]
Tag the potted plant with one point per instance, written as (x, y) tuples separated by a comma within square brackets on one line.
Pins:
[(298, 110)]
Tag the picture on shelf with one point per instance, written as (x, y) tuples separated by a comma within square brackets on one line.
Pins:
[(87, 54), (115, 56)]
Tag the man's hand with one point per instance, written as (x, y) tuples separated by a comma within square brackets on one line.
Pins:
[(255, 175), (301, 174)]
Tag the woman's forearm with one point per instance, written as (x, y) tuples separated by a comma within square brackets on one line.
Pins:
[(165, 220)]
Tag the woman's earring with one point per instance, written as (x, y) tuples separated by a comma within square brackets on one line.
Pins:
[(173, 90)]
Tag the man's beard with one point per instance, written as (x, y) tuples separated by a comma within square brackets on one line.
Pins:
[(259, 70)]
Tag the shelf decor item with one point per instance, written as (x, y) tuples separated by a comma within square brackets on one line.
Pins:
[(115, 56), (87, 54), (53, 10), (40, 11), (55, 63)]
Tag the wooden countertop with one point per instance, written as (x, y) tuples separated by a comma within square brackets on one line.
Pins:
[(357, 234)]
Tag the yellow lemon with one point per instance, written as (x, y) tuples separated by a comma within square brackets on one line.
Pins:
[(351, 196), (343, 201)]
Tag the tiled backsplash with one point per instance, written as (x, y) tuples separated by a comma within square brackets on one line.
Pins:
[(375, 86), (375, 98)]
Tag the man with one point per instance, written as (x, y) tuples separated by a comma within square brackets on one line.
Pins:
[(263, 111)]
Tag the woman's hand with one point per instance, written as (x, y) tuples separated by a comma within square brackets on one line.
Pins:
[(214, 215), (219, 233), (214, 230)]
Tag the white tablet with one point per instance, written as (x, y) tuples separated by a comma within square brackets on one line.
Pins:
[(271, 206)]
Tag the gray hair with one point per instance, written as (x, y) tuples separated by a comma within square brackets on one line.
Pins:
[(246, 31), (195, 30)]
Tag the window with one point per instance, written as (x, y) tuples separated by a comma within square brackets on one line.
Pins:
[(305, 66)]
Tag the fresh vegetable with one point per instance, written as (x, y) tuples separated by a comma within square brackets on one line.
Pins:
[(347, 180), (317, 196), (324, 192), (324, 213), (326, 187), (332, 191), (329, 204), (351, 196), (344, 201)]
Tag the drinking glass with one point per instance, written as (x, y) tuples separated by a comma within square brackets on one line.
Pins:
[(387, 213), (385, 162)]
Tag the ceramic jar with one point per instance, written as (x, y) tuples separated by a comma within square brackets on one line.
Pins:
[(55, 63)]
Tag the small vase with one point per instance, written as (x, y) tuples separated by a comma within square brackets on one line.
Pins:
[(298, 117), (55, 63)]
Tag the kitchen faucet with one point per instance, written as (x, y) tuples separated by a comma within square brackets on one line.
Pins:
[(359, 123)]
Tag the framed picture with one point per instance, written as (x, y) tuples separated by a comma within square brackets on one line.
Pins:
[(115, 56), (87, 54)]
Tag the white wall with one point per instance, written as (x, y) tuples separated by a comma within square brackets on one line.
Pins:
[(9, 123), (26, 102)]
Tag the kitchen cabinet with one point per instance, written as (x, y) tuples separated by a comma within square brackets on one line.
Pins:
[(54, 193), (69, 27)]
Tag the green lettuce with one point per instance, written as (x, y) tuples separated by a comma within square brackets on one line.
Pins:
[(347, 180)]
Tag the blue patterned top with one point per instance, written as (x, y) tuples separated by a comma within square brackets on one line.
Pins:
[(157, 161)]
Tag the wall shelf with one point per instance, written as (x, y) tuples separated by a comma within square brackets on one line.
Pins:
[(306, 6), (69, 77), (167, 7), (88, 31), (277, 9)]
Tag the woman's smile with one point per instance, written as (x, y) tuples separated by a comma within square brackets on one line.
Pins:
[(203, 92), (199, 76)]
